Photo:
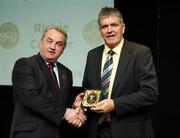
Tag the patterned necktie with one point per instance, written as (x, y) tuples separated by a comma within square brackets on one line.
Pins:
[(105, 81), (55, 82), (53, 76), (105, 77)]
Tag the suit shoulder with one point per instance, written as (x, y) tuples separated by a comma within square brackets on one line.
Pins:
[(63, 67), (25, 60), (96, 49), (136, 45)]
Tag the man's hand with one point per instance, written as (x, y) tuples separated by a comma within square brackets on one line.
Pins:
[(104, 106), (81, 114), (75, 117), (78, 100)]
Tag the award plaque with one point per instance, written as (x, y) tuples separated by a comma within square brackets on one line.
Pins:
[(91, 98)]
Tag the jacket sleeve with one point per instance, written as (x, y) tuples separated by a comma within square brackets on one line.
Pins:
[(30, 94), (140, 87)]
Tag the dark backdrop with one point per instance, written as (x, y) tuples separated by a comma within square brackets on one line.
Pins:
[(142, 19), (169, 110), (142, 25)]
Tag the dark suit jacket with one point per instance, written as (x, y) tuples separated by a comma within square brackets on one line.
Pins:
[(38, 110), (135, 88)]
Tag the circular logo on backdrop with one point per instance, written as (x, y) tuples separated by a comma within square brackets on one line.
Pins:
[(9, 35), (91, 33)]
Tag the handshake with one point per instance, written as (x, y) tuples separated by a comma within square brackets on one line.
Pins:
[(90, 99), (76, 116)]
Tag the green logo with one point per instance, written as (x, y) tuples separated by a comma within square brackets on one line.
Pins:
[(91, 33), (9, 35)]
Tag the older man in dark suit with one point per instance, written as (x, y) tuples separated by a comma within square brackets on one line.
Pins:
[(40, 107), (129, 83)]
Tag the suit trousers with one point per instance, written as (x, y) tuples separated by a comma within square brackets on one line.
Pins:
[(104, 130)]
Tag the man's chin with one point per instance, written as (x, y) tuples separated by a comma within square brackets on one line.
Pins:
[(50, 60)]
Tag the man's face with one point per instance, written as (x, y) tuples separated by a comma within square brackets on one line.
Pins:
[(112, 30), (52, 45)]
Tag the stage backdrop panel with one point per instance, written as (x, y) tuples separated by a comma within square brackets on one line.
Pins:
[(22, 23)]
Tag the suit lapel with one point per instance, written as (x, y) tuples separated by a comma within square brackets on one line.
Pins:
[(62, 77), (98, 64), (123, 62), (45, 70)]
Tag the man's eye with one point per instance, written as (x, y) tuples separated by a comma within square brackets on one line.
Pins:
[(49, 41), (60, 44), (104, 26)]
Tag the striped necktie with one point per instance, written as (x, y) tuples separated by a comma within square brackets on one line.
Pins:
[(105, 81), (105, 77)]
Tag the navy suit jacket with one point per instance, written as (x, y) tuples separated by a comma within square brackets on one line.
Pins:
[(135, 88), (38, 109)]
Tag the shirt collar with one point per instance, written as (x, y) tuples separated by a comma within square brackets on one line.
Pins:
[(116, 49), (55, 64)]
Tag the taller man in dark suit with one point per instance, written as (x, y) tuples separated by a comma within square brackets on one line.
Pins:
[(133, 86), (39, 108)]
